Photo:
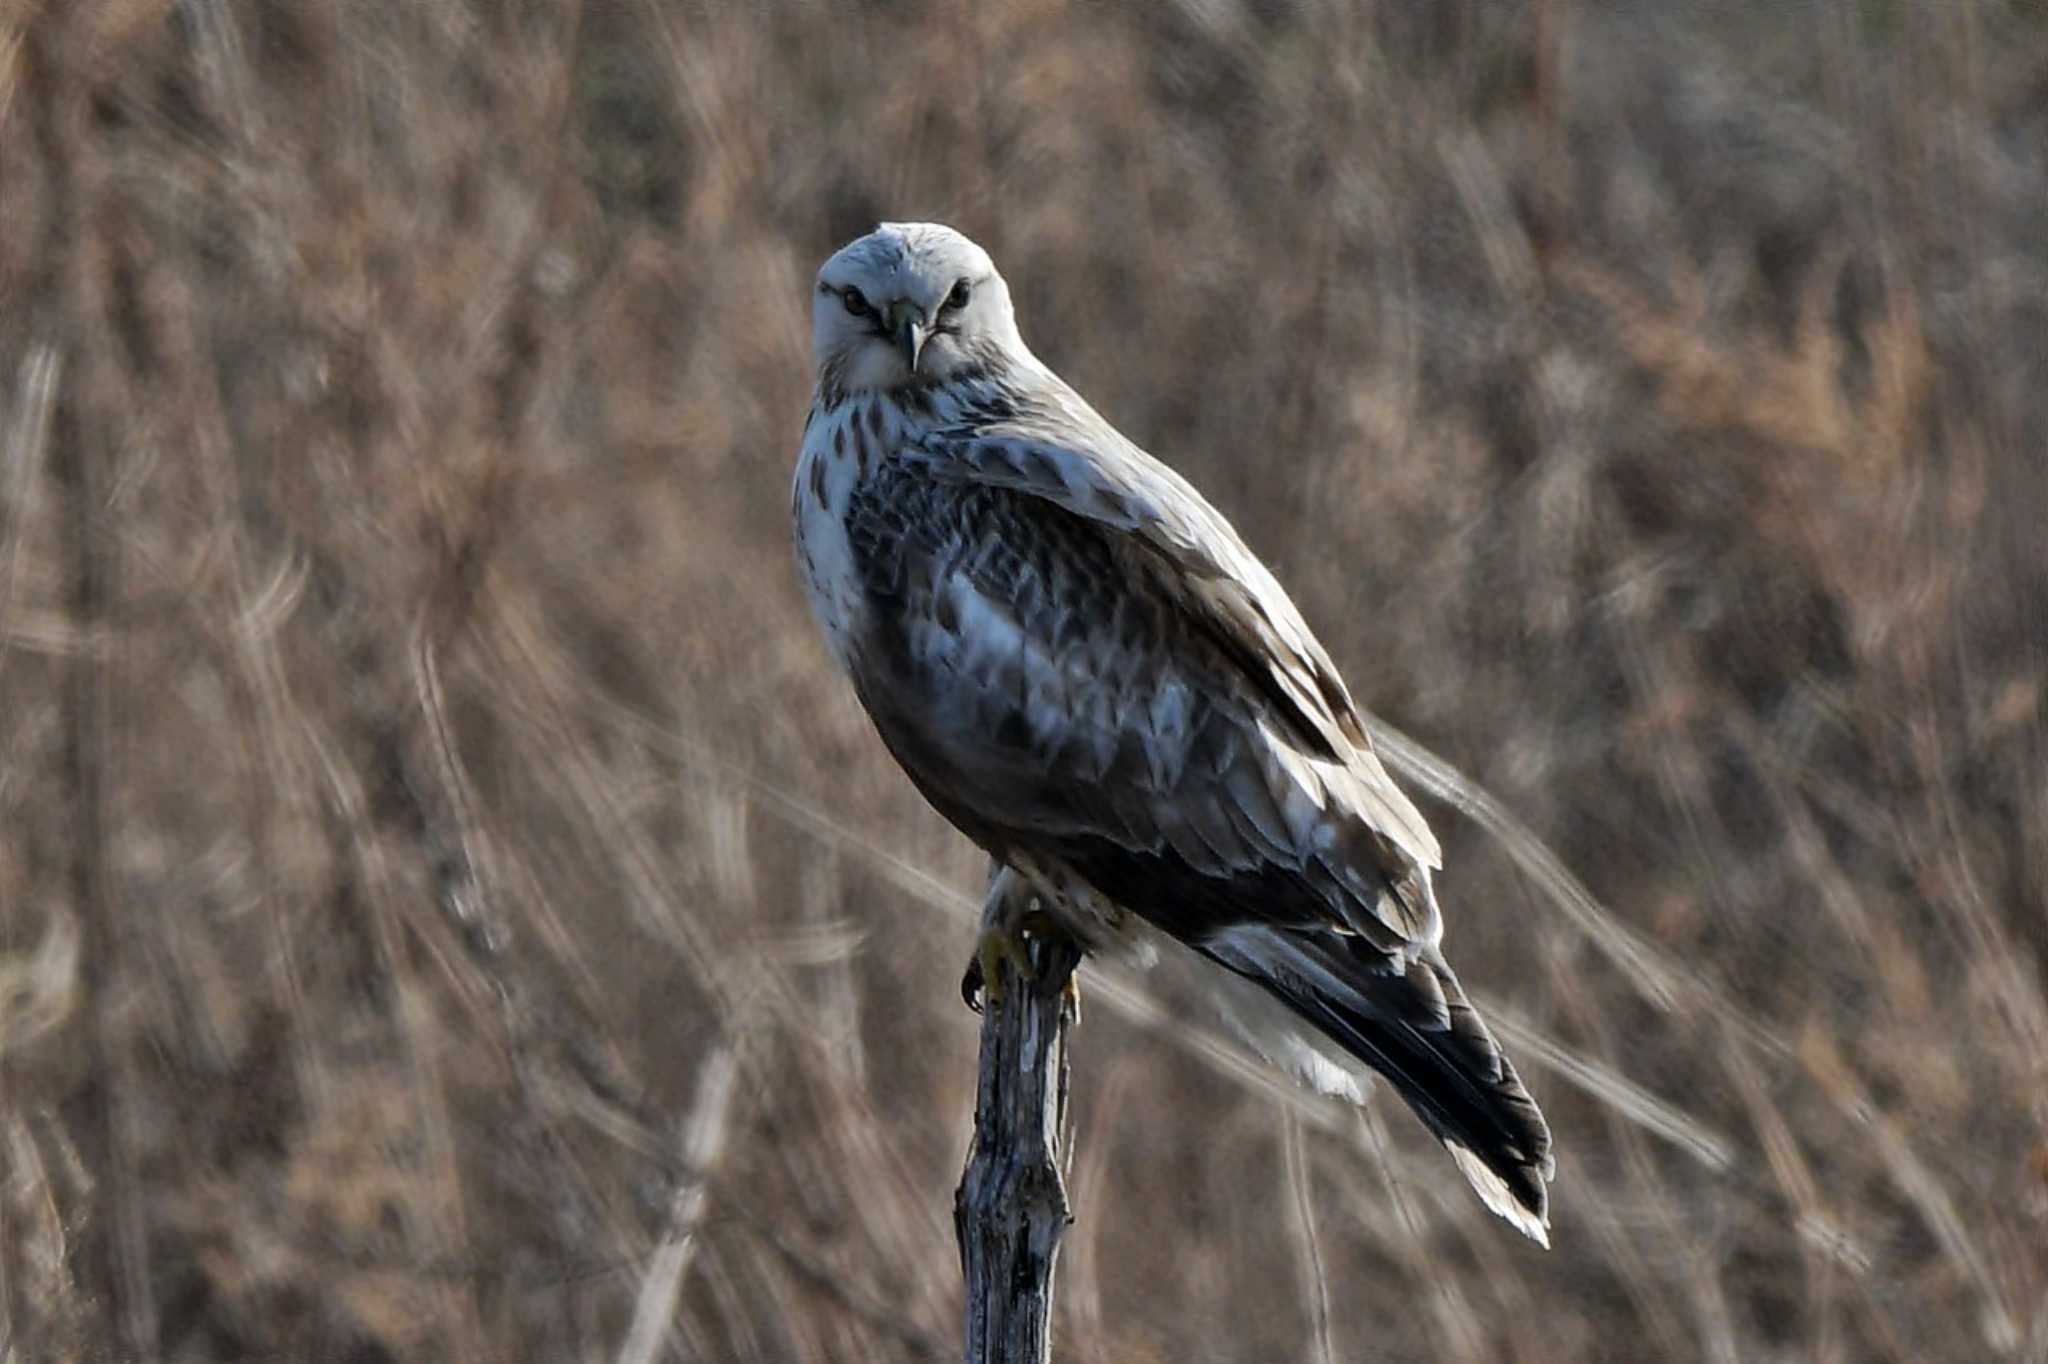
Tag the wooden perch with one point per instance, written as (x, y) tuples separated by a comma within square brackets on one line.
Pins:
[(1011, 1208)]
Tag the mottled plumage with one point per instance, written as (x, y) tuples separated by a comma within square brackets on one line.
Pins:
[(1081, 665)]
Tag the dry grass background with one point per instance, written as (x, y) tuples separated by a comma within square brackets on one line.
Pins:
[(448, 910)]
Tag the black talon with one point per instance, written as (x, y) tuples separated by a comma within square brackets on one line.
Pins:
[(971, 983)]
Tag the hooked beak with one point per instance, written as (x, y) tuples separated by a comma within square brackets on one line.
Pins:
[(907, 327)]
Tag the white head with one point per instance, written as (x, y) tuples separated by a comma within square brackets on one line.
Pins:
[(909, 304)]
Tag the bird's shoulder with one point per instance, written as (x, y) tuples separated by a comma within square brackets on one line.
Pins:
[(1046, 442)]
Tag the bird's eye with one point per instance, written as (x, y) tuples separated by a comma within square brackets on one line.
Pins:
[(856, 301), (961, 292)]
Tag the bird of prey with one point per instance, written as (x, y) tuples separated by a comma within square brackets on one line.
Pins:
[(1080, 664)]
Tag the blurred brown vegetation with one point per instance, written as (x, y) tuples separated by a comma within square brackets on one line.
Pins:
[(450, 911)]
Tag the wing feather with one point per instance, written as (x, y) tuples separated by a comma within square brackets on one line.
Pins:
[(1074, 689), (1054, 447)]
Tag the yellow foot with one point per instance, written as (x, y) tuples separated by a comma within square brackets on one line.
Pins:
[(982, 983), (1010, 917)]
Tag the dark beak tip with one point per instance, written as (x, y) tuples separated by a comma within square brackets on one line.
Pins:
[(910, 340)]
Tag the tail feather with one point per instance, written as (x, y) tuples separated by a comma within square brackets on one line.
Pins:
[(1411, 1022)]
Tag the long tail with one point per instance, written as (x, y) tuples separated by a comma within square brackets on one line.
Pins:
[(1413, 1024)]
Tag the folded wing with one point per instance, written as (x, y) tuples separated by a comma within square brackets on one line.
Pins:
[(1100, 674)]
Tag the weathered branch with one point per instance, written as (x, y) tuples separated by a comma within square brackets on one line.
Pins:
[(1011, 1208)]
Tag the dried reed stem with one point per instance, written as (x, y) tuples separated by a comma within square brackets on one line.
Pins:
[(704, 1135)]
